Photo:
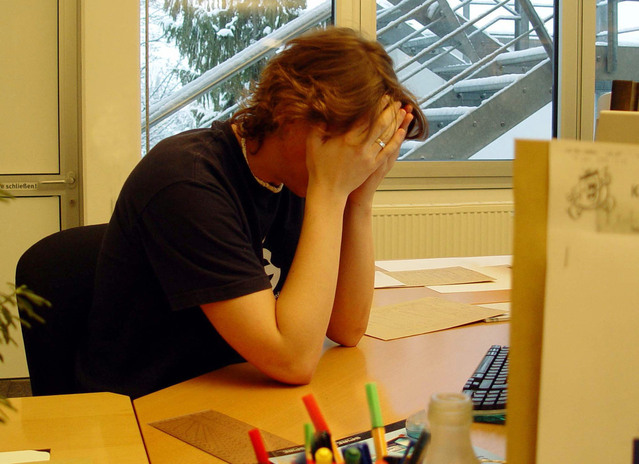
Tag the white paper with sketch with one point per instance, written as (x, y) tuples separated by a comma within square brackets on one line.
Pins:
[(589, 407)]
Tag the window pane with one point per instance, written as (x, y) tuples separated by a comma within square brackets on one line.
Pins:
[(203, 54), (617, 47), (481, 69)]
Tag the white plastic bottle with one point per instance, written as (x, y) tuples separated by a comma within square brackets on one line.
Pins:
[(450, 418)]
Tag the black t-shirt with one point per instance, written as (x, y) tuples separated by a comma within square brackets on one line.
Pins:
[(191, 226)]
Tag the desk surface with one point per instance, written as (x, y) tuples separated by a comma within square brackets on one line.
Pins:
[(94, 428), (407, 371)]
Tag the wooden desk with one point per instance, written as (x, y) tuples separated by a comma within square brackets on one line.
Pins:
[(407, 372), (93, 428)]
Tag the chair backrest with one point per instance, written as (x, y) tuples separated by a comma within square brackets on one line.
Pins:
[(60, 268)]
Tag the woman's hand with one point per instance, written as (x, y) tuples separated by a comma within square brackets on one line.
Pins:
[(363, 195), (344, 163)]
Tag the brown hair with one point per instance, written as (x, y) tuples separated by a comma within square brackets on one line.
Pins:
[(329, 76)]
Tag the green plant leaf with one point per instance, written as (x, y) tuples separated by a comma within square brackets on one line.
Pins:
[(23, 292), (7, 316), (5, 196), (5, 404)]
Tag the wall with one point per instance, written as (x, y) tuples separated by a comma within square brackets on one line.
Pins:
[(109, 101)]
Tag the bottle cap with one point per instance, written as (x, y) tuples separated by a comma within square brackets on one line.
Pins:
[(451, 402), (450, 407)]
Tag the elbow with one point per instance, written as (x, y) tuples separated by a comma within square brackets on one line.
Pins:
[(348, 341), (296, 376), (348, 338), (297, 379), (294, 372)]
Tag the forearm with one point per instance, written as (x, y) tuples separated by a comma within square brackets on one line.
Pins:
[(284, 337), (355, 284), (303, 309)]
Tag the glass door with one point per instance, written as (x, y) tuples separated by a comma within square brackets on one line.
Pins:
[(38, 129)]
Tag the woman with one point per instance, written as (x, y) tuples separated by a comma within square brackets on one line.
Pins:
[(252, 240)]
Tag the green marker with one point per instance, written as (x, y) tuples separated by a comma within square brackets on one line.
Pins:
[(377, 424), (352, 455), (308, 442)]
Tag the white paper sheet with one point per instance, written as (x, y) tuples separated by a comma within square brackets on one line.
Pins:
[(16, 457), (433, 263), (383, 280)]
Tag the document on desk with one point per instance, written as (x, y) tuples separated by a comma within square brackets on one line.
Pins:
[(384, 280), (500, 280), (428, 277), (588, 405), (422, 316), (471, 262)]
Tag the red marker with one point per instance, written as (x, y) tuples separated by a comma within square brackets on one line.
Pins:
[(320, 424), (258, 446)]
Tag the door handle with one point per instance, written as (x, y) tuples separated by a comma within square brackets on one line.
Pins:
[(68, 180)]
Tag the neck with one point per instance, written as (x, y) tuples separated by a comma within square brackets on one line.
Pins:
[(254, 160)]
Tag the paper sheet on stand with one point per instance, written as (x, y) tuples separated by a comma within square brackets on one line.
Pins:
[(588, 406)]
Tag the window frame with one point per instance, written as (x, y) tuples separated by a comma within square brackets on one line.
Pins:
[(577, 57)]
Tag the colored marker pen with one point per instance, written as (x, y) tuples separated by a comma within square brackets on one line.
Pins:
[(320, 424), (323, 456), (258, 446), (377, 424), (419, 449), (365, 453), (352, 455), (308, 442)]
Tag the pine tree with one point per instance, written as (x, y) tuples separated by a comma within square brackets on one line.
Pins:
[(208, 32)]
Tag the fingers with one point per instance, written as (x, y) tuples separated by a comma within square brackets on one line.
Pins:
[(408, 118), (391, 150), (393, 118), (387, 123), (393, 135), (361, 151)]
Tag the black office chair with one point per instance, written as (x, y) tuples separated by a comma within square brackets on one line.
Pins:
[(61, 269)]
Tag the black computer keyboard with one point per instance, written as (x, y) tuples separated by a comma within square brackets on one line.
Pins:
[(488, 386)]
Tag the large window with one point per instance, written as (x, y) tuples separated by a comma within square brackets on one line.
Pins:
[(481, 69)]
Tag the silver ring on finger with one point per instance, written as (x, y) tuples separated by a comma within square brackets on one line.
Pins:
[(381, 143)]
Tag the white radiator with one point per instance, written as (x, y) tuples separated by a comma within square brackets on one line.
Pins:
[(431, 231)]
